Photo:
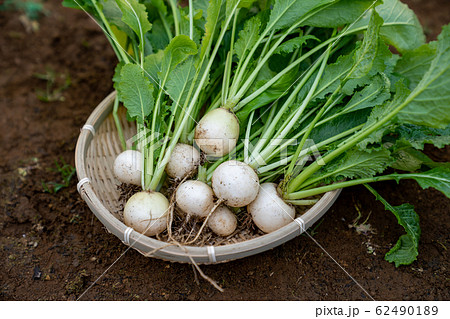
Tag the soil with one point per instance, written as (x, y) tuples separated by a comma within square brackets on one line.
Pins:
[(53, 248)]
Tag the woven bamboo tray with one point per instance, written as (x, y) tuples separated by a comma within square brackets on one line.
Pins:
[(97, 147)]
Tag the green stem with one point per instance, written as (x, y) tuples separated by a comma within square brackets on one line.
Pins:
[(267, 45), (142, 141), (308, 150), (176, 20), (229, 62), (277, 36), (201, 175), (328, 188), (185, 105), (118, 124), (214, 103), (189, 129), (191, 20), (154, 138), (169, 127), (135, 51), (272, 176), (294, 55), (312, 124), (226, 78), (302, 202), (247, 134)]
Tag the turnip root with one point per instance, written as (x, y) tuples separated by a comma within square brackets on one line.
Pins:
[(195, 198), (183, 161), (147, 212), (235, 183), (128, 167), (269, 211), (217, 132), (222, 222)]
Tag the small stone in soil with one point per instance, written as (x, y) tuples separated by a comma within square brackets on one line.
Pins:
[(37, 273)]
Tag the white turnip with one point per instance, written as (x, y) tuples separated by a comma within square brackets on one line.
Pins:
[(223, 221), (147, 212), (217, 132), (269, 211), (235, 183), (128, 167), (183, 161), (195, 198)]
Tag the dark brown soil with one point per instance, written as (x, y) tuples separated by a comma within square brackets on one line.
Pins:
[(52, 247)]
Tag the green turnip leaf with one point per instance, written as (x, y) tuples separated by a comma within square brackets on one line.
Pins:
[(180, 80), (178, 50), (203, 6), (401, 27), (212, 21), (417, 136), (430, 100), (287, 12), (410, 159), (152, 65), (356, 164), (293, 44), (338, 125), (134, 15), (160, 5), (247, 37), (406, 249), (341, 13), (376, 93), (136, 92), (116, 77), (415, 63), (365, 55), (380, 112), (157, 36)]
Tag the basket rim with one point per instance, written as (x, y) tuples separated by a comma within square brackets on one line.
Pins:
[(201, 254)]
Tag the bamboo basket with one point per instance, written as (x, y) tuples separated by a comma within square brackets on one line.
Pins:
[(97, 147)]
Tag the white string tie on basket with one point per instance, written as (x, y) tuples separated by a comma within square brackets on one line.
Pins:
[(81, 183), (301, 223), (89, 128), (211, 254), (126, 236)]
